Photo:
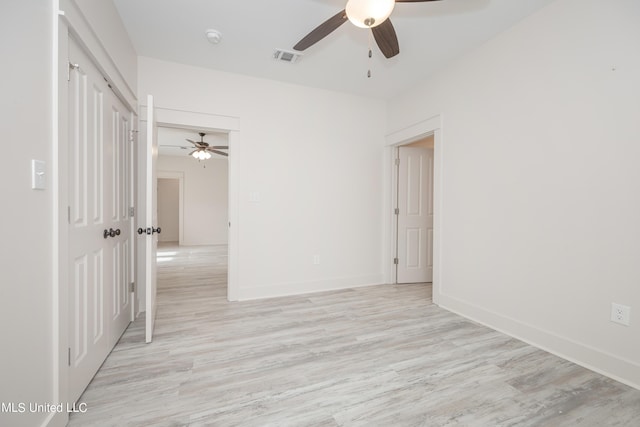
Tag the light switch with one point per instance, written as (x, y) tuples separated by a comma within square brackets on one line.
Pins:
[(38, 178)]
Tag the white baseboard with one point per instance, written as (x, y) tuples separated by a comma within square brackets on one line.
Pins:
[(597, 360), (296, 288)]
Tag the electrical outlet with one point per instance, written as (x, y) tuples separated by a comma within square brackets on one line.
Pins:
[(620, 314), (316, 259)]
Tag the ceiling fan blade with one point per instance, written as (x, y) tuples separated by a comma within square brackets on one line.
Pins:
[(386, 38), (197, 144), (191, 153), (222, 153), (221, 147), (322, 31)]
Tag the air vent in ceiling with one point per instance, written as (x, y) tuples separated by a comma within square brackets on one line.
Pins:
[(286, 56)]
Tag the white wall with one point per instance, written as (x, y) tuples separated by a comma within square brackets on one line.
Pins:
[(205, 198), (541, 185), (168, 212), (105, 21), (313, 159), (26, 278)]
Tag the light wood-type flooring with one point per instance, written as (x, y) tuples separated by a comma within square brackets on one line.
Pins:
[(372, 356)]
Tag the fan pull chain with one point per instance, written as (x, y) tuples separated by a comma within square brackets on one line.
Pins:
[(370, 56)]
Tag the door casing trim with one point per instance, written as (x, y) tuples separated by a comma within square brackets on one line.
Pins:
[(407, 135)]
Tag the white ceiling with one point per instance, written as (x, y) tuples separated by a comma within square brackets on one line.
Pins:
[(172, 141), (431, 35)]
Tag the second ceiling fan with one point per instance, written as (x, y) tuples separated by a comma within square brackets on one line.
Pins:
[(372, 14), (202, 149)]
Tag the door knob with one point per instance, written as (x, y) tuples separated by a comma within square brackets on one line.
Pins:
[(148, 230), (110, 233)]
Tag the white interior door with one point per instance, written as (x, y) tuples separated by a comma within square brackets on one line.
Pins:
[(151, 217), (89, 252), (99, 230), (119, 159), (415, 215)]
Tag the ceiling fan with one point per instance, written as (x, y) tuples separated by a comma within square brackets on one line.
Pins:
[(372, 14), (203, 150)]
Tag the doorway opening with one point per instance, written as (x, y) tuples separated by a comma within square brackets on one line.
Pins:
[(173, 128), (169, 207), (426, 132), (192, 195)]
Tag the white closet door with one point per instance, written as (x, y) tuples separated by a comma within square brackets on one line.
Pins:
[(120, 164), (99, 230)]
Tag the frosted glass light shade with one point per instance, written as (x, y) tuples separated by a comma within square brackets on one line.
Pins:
[(369, 13), (201, 155)]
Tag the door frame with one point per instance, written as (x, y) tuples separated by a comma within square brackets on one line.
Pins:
[(180, 177), (407, 135), (198, 121)]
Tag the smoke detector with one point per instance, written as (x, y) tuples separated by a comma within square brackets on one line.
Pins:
[(286, 56), (214, 36)]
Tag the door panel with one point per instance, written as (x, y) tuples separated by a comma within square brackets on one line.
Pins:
[(88, 250), (151, 216), (99, 300), (414, 240), (415, 215), (98, 305), (120, 217)]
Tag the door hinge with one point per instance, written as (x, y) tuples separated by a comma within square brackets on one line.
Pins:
[(132, 211), (69, 357), (132, 287), (395, 261), (397, 161), (71, 67), (68, 214), (132, 132), (396, 211)]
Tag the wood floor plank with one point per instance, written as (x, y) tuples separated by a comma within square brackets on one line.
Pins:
[(372, 356)]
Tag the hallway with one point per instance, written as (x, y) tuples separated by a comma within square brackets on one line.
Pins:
[(380, 355)]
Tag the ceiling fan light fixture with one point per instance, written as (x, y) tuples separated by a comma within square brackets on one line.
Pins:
[(201, 155), (369, 13)]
